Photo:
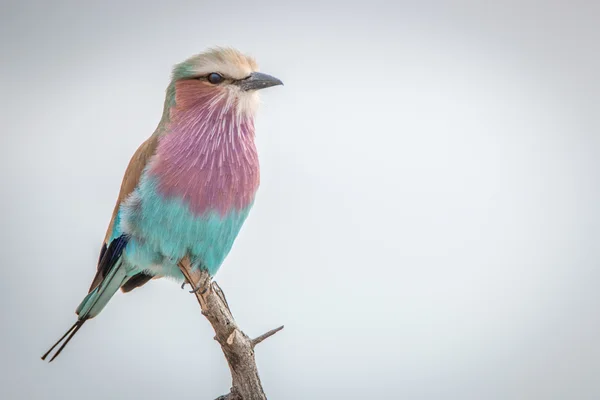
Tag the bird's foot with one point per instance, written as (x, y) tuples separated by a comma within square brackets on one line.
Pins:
[(202, 285), (202, 290), (198, 290)]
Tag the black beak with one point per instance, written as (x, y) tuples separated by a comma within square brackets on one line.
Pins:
[(257, 81)]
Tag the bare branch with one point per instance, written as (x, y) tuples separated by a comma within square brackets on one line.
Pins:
[(264, 336), (237, 347)]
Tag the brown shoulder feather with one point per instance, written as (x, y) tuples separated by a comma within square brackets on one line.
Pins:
[(132, 176)]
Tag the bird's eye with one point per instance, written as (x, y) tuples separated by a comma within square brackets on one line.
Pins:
[(215, 78)]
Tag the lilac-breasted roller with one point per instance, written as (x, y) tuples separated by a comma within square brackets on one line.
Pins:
[(189, 187)]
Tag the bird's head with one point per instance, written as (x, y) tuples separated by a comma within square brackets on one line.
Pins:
[(219, 77)]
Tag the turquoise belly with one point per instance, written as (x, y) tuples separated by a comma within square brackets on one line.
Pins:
[(163, 231)]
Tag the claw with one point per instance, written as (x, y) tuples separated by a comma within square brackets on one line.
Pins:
[(198, 289)]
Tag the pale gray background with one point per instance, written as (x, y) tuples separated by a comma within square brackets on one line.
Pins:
[(427, 225)]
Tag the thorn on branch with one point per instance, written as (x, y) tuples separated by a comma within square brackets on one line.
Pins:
[(264, 336), (221, 295)]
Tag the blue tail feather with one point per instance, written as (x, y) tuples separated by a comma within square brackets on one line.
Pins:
[(111, 275)]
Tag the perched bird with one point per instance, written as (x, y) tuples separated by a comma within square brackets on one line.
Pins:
[(189, 187)]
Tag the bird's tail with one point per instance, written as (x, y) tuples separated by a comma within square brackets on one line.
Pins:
[(68, 335), (92, 304)]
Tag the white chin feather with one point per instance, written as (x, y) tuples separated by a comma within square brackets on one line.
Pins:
[(247, 102)]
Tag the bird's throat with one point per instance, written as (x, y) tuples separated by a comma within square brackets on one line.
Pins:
[(206, 156)]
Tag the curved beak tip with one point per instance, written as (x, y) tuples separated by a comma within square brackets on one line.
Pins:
[(258, 80)]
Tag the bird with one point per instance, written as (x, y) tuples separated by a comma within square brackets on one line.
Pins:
[(189, 187)]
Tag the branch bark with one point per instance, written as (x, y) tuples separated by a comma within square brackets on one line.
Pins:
[(237, 347)]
